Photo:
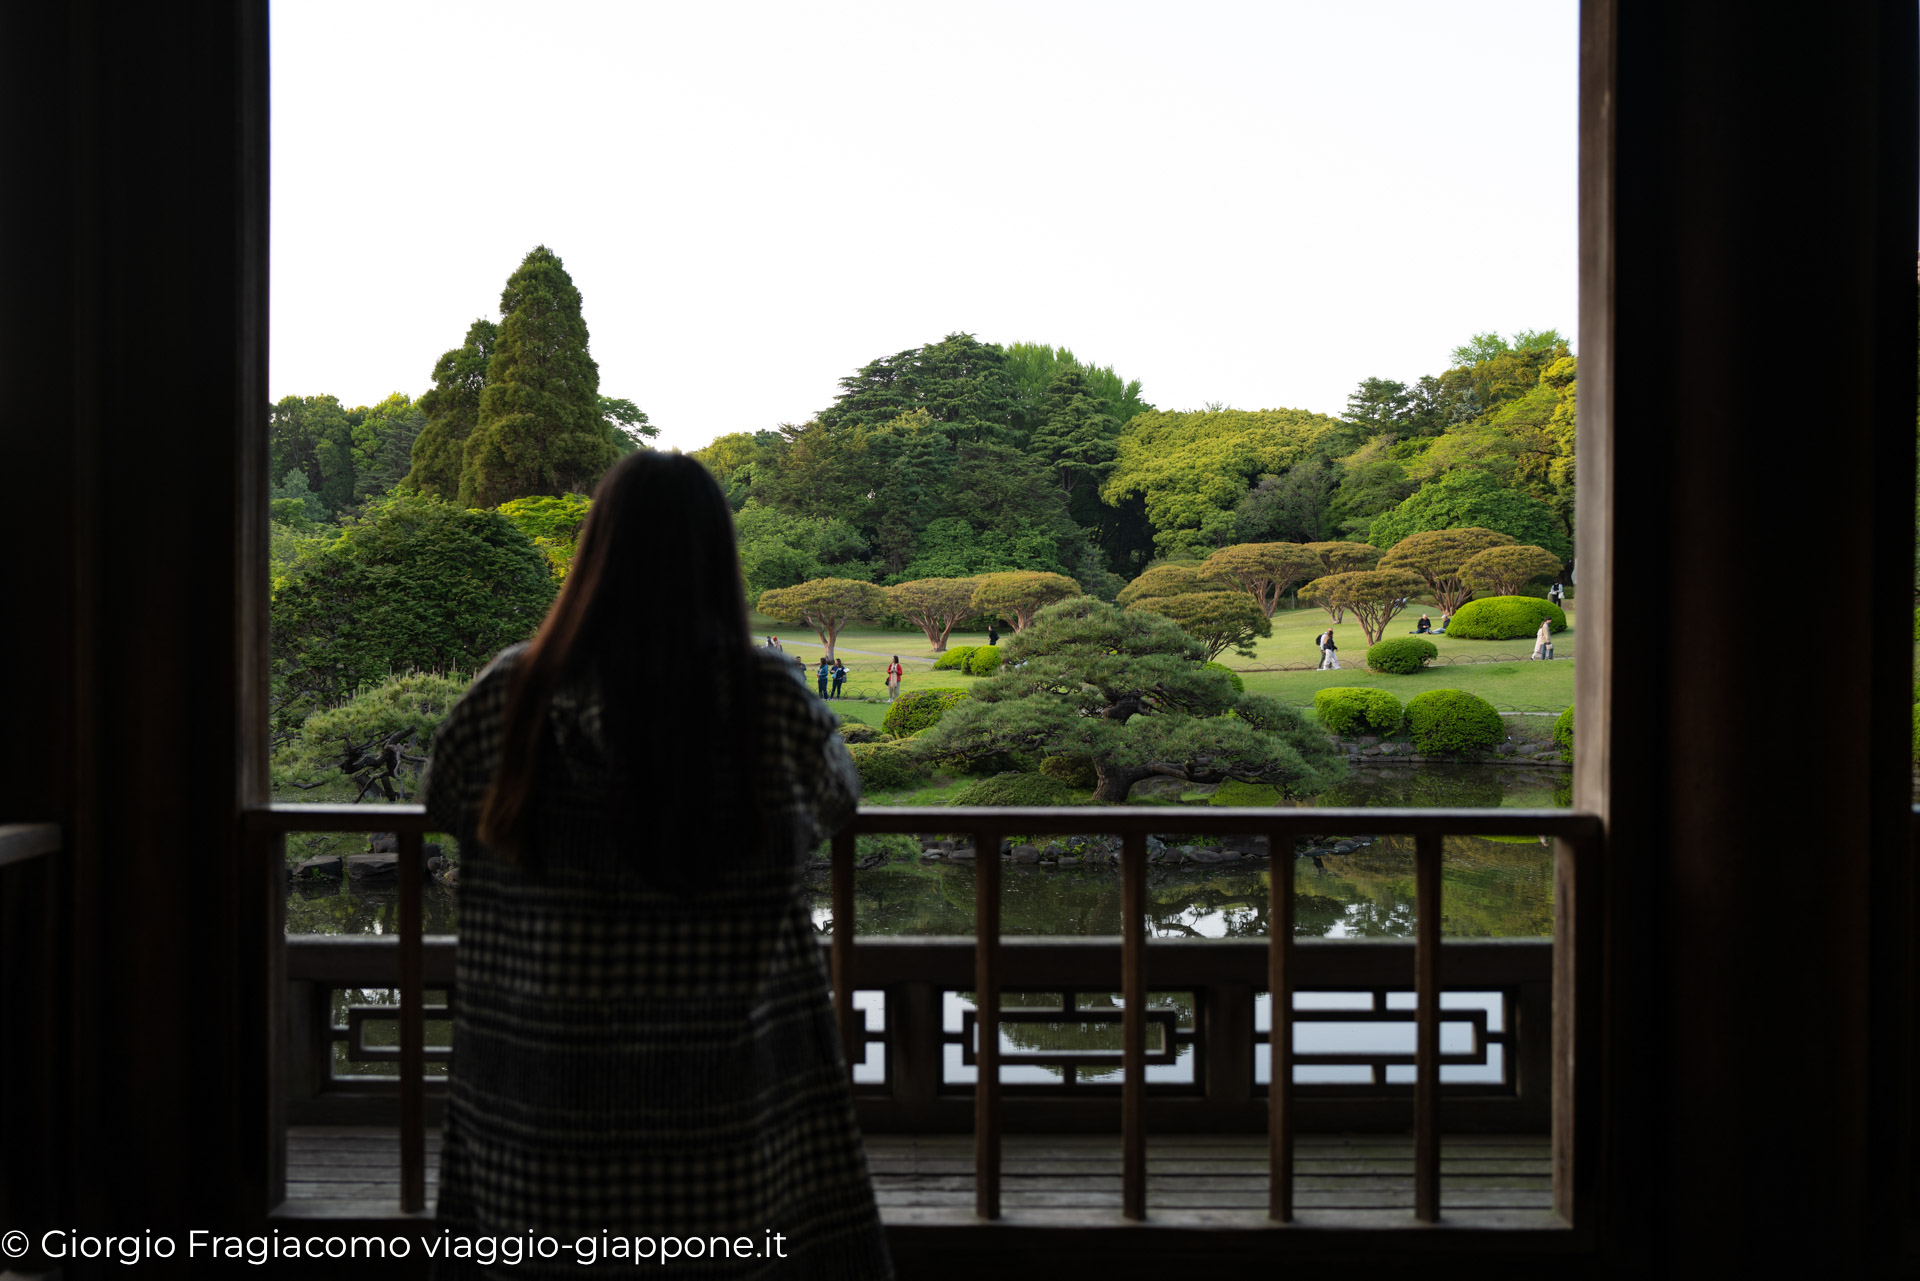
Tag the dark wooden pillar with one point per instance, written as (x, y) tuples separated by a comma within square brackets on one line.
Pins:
[(1747, 372), (132, 350)]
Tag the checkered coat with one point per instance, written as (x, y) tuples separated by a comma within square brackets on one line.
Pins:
[(639, 1063)]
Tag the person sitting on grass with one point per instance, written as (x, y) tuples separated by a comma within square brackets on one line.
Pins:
[(1446, 620), (1422, 627)]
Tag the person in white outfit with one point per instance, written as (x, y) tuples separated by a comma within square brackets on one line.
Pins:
[(1543, 640), (1329, 652)]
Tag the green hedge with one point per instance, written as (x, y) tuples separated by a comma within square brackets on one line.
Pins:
[(860, 732), (984, 661), (1347, 710), (1239, 686), (1072, 768), (920, 710), (1401, 655), (1452, 720), (1015, 789), (885, 767), (1245, 795), (955, 659), (1504, 618), (1563, 734)]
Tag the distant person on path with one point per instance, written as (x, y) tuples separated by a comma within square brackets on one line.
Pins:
[(800, 670), (894, 673), (823, 675), (839, 677), (644, 1042), (1422, 627), (1543, 640), (1555, 595), (993, 634), (1329, 652)]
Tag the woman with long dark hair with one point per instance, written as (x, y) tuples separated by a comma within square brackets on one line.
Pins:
[(643, 1043)]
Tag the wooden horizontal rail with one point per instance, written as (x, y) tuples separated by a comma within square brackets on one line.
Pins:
[(22, 841)]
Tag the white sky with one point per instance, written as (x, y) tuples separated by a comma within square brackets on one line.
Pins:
[(1254, 203)]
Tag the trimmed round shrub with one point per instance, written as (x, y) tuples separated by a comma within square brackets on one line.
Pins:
[(1563, 734), (1239, 686), (1505, 618), (1345, 710), (884, 767), (955, 659), (984, 661), (1452, 720), (1071, 768), (1014, 789), (920, 710), (1402, 655), (860, 732)]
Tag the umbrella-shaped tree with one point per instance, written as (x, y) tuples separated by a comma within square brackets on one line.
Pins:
[(826, 604)]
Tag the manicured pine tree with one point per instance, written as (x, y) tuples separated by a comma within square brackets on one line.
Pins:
[(540, 429), (452, 408)]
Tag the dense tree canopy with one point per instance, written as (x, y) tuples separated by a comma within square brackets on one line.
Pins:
[(1128, 690), (1020, 595), (1218, 620), (826, 605), (552, 523), (1438, 556), (1503, 571), (1174, 578), (934, 605), (1472, 499), (1264, 570), (1373, 595), (452, 408)]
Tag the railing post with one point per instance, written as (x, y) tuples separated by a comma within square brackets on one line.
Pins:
[(1280, 1035), (986, 1093), (842, 954), (1426, 981), (1133, 1024), (413, 1027)]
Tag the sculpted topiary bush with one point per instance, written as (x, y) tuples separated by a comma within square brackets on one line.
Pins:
[(1451, 721), (1072, 768), (1346, 710), (1015, 789), (1401, 655), (920, 710), (1505, 618), (1563, 734), (884, 767), (955, 659), (984, 661)]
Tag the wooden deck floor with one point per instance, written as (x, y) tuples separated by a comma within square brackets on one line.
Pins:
[(344, 1169)]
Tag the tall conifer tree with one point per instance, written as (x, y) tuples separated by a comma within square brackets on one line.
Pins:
[(452, 408), (540, 429)]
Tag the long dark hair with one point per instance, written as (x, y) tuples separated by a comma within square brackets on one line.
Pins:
[(653, 610)]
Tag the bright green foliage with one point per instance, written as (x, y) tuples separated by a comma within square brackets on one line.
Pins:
[(861, 732), (1472, 499), (1128, 690), (984, 660), (778, 549), (1020, 595), (1401, 655), (1503, 571), (1453, 721), (378, 739), (1071, 768), (417, 584), (1916, 733), (1192, 468), (1346, 710), (288, 548), (383, 437), (552, 523), (934, 605), (1264, 570), (1240, 795), (627, 425), (1218, 620), (293, 503), (1173, 579), (1077, 438), (885, 767), (1033, 367), (1374, 596), (954, 659), (920, 710), (1239, 686), (1343, 558), (1563, 734), (452, 408), (1505, 618), (826, 604), (1013, 789), (540, 429), (1525, 444), (314, 435), (1437, 556)]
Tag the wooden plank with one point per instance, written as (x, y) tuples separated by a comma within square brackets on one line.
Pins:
[(1426, 1082), (1133, 1020), (986, 1094), (413, 1028), (842, 945), (1280, 967)]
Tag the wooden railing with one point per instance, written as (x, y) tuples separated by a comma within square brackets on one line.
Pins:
[(1287, 967)]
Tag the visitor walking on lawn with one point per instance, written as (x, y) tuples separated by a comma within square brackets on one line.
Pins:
[(993, 634), (839, 677), (824, 675), (1329, 652), (894, 673), (1543, 640), (644, 1043)]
